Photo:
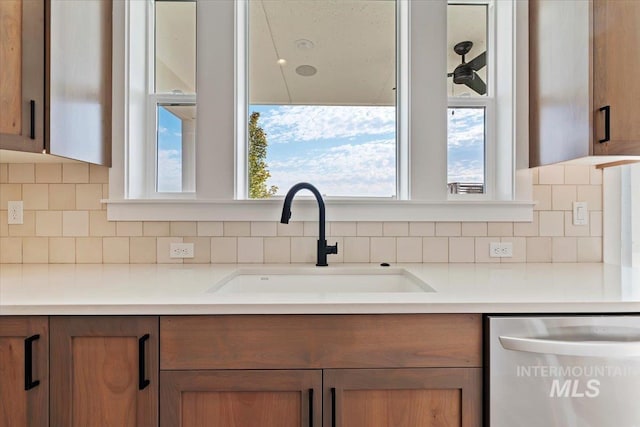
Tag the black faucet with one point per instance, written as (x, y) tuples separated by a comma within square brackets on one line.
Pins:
[(323, 248)]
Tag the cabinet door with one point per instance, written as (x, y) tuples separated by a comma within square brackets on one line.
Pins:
[(78, 113), (24, 371), (426, 397), (104, 371), (274, 398), (616, 42), (22, 75), (560, 116)]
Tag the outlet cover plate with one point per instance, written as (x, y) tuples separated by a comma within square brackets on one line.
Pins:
[(15, 212), (181, 250), (500, 249)]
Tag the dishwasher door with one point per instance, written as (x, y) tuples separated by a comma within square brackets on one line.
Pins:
[(564, 371)]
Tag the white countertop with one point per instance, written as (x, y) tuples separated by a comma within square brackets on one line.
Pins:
[(51, 289)]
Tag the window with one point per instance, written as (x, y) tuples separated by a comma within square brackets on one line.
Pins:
[(322, 87), (172, 90), (470, 92), (203, 170)]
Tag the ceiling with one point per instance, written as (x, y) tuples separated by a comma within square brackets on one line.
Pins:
[(350, 43)]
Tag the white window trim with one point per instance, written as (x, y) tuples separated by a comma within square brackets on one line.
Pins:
[(218, 201), (492, 122), (150, 186)]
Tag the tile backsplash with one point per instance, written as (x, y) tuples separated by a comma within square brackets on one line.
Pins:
[(64, 222)]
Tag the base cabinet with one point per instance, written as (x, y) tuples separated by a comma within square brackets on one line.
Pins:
[(321, 370), (24, 371), (241, 398), (426, 397), (241, 371), (104, 371)]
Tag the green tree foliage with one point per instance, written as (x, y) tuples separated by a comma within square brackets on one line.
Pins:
[(258, 168)]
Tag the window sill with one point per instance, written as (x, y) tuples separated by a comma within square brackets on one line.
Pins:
[(307, 210)]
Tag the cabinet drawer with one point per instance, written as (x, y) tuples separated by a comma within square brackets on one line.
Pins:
[(320, 341)]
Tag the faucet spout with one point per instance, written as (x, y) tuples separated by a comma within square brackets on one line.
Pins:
[(323, 248)]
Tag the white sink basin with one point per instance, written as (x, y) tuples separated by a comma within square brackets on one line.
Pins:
[(321, 280)]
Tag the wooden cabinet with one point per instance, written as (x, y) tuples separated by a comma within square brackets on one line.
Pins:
[(241, 370), (104, 371), (55, 89), (241, 398), (616, 55), (22, 75), (580, 54), (402, 397), (376, 370), (24, 371)]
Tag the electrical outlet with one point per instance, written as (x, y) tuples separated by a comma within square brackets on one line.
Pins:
[(500, 249), (14, 214), (181, 250)]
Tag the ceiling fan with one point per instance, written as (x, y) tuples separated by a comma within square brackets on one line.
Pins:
[(465, 73)]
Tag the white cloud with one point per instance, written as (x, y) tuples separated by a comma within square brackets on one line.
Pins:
[(466, 127), (466, 171), (348, 170), (169, 171), (295, 123)]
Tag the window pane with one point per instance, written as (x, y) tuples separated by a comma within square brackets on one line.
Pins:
[(466, 50), (176, 148), (175, 46), (466, 150), (322, 82)]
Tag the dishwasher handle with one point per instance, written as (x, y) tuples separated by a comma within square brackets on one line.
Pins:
[(572, 348)]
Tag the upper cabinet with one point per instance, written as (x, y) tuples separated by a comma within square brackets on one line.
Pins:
[(581, 103), (21, 75), (56, 86), (616, 92)]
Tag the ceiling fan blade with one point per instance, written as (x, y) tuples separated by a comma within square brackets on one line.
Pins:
[(479, 61), (477, 84)]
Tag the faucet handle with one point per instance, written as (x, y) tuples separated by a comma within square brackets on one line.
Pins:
[(332, 249)]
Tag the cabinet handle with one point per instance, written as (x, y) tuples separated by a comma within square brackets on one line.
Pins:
[(607, 123), (142, 382), (333, 407), (310, 407), (32, 125), (28, 362)]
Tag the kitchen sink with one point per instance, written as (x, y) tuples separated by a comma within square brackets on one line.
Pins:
[(321, 280)]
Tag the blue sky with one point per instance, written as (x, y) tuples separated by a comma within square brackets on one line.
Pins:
[(342, 150), (169, 152), (350, 151), (465, 154)]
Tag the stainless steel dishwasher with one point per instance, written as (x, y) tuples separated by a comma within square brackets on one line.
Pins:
[(564, 371)]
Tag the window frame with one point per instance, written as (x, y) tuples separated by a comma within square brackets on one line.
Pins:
[(488, 102), (217, 199)]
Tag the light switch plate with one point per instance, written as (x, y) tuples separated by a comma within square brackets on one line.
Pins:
[(580, 213)]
